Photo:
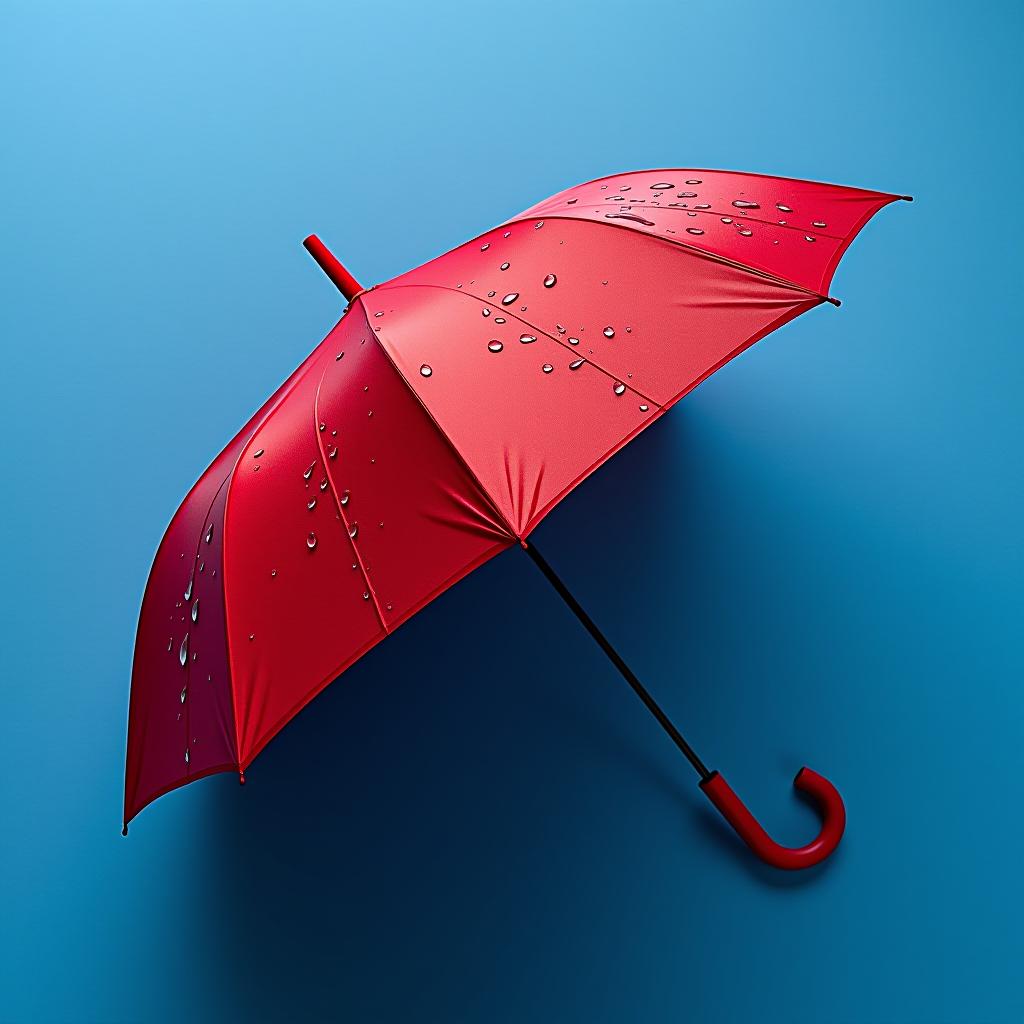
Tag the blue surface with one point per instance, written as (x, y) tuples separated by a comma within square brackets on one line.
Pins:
[(816, 558)]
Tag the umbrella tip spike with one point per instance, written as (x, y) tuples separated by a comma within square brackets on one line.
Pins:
[(332, 267), (835, 302), (241, 777), (909, 199), (124, 830)]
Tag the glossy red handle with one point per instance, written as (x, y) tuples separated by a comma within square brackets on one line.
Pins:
[(830, 803)]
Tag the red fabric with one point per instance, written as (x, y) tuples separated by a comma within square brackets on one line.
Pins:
[(798, 230), (405, 451)]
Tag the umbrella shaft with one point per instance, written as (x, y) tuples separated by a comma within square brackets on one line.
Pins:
[(616, 659)]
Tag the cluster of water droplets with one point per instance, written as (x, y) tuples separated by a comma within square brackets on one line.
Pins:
[(628, 208), (185, 614), (508, 300)]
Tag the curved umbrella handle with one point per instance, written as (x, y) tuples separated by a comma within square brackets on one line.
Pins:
[(749, 830)]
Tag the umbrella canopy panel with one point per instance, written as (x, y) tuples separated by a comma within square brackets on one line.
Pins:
[(335, 514), (796, 230), (550, 344)]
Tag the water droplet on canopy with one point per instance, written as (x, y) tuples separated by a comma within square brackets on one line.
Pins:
[(743, 204), (818, 224), (353, 530), (783, 207), (504, 266), (630, 216), (195, 610), (183, 651), (425, 370), (661, 186), (527, 339), (576, 364), (550, 281), (547, 367), (695, 231), (510, 298), (494, 346), (209, 534), (310, 543), (609, 332), (619, 388), (256, 454)]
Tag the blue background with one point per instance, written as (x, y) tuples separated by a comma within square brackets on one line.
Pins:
[(815, 558)]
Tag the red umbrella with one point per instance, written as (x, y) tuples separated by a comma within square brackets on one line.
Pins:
[(439, 421)]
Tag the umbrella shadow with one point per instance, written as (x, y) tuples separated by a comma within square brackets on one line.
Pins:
[(392, 789)]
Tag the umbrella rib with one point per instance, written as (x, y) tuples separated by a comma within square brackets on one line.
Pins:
[(780, 321), (192, 575), (533, 327), (452, 447), (275, 403), (690, 247), (286, 388), (534, 210), (337, 500), (737, 217)]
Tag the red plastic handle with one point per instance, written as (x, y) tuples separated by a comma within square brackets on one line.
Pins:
[(732, 808)]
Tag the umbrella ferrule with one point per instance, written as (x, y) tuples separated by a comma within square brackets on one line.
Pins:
[(333, 268)]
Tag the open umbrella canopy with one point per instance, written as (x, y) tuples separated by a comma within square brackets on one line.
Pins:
[(447, 412)]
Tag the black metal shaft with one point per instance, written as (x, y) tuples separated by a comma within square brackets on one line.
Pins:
[(616, 659)]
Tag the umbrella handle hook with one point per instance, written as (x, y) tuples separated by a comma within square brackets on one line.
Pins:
[(747, 827)]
